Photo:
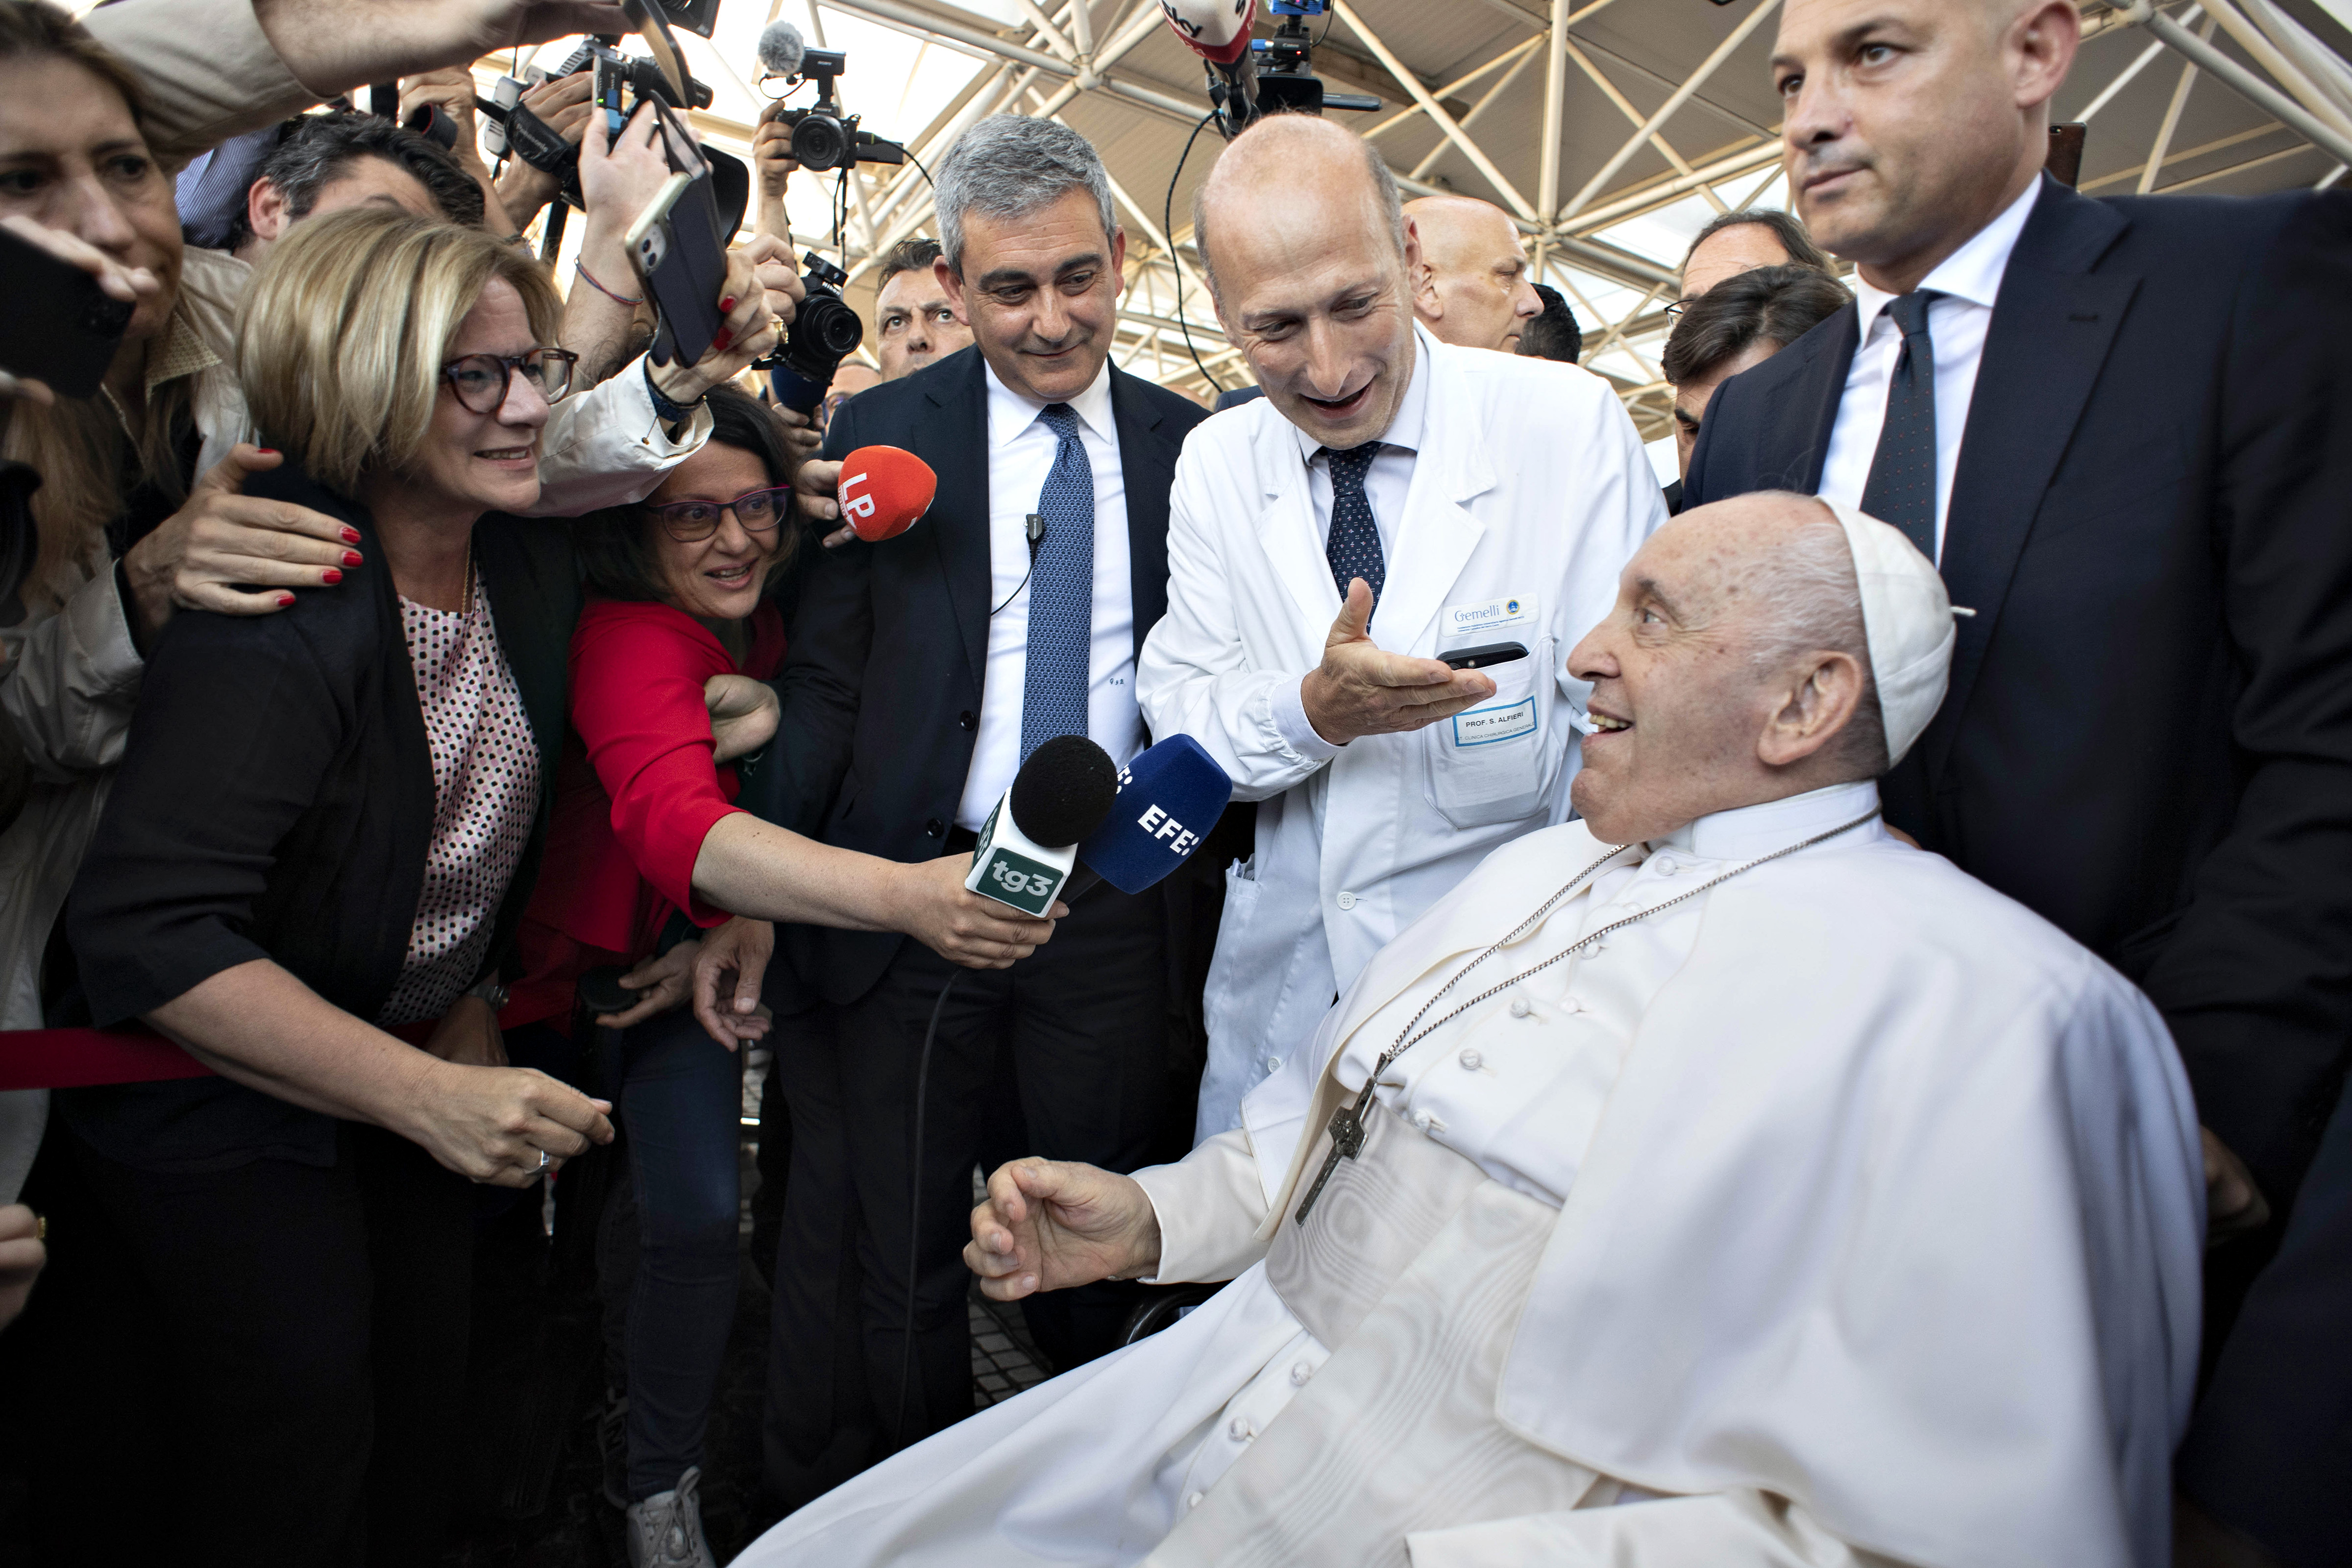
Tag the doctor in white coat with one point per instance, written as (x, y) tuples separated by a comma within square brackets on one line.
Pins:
[(1472, 499)]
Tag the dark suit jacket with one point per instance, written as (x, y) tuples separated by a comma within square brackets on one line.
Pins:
[(2148, 735), (275, 801), (882, 685)]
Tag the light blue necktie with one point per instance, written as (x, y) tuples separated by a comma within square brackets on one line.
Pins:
[(1061, 593), (1354, 546)]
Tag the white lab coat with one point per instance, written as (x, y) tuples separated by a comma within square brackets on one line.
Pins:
[(1530, 493)]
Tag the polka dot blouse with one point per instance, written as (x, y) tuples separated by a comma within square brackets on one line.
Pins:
[(485, 791)]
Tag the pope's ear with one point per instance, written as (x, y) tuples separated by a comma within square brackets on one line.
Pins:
[(1818, 706)]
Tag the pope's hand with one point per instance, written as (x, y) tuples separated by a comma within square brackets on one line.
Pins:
[(1049, 1225), (1359, 690)]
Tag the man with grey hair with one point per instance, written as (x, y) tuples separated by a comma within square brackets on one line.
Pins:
[(1715, 1182), (1375, 572), (924, 670)]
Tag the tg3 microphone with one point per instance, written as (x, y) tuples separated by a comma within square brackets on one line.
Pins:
[(1029, 844), (882, 491)]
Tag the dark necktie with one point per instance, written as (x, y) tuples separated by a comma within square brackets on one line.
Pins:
[(1901, 491), (1354, 546), (1061, 591)]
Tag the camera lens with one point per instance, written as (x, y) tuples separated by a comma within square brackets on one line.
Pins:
[(818, 143), (830, 324)]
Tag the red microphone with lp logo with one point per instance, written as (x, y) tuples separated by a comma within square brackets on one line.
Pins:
[(882, 491)]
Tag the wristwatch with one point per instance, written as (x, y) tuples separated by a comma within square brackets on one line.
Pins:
[(493, 990)]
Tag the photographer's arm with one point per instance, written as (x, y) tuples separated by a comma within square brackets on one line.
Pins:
[(213, 68)]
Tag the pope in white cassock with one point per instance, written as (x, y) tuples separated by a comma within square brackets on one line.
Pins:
[(1736, 1184)]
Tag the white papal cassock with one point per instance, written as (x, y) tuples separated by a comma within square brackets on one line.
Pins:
[(1845, 1213)]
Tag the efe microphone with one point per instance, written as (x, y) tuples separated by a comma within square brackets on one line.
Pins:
[(883, 491), (1168, 798)]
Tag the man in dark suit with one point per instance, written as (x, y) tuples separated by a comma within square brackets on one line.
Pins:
[(924, 670), (2122, 429)]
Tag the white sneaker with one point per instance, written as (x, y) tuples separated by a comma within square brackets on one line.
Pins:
[(666, 1530)]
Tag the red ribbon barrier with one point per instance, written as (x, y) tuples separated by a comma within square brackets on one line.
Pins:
[(80, 1058)]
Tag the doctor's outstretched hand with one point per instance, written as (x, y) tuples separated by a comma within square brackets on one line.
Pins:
[(1359, 690), (1051, 1224)]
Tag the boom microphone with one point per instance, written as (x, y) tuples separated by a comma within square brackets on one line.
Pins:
[(882, 491), (1029, 843), (780, 49), (1216, 30), (1168, 799)]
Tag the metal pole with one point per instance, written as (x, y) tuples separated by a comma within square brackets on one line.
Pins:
[(1555, 93), (1435, 111), (2237, 78), (1682, 95)]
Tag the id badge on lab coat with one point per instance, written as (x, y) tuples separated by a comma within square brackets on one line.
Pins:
[(1497, 763)]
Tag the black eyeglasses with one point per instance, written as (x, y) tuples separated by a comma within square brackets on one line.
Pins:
[(1674, 311), (481, 380), (690, 522)]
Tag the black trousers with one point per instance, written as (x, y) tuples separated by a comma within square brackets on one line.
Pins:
[(295, 1340), (1074, 1038)]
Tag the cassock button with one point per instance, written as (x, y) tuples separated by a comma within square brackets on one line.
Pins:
[(1471, 1061), (1299, 1373), (1240, 1430), (1274, 1064), (1519, 1009), (1346, 900), (1663, 865), (1194, 1500)]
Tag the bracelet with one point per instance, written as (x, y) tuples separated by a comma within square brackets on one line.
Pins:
[(671, 411), (589, 279)]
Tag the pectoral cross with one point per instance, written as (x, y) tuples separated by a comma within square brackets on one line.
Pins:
[(1347, 1131)]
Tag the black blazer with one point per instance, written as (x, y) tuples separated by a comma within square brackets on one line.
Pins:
[(881, 686), (275, 801), (2148, 735)]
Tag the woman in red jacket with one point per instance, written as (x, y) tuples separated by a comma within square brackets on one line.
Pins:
[(646, 844)]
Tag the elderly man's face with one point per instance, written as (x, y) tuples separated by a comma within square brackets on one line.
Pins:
[(1686, 705), (1473, 289), (1315, 296), (1728, 253), (1910, 122), (1040, 293)]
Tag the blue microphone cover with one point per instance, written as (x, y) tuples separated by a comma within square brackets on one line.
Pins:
[(1168, 798)]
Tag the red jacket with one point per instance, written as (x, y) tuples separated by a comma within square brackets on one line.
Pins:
[(636, 790)]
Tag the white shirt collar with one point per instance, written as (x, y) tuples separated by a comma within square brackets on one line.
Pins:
[(1408, 428), (1753, 830), (1972, 272), (1009, 412)]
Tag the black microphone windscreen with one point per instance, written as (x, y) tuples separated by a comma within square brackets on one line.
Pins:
[(779, 50), (1064, 791)]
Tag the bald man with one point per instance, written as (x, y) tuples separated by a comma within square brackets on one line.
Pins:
[(1375, 573), (1472, 287), (1715, 1182), (2122, 428)]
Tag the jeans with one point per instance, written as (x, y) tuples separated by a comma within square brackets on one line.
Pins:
[(681, 1105)]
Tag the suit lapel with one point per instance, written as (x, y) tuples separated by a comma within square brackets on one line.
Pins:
[(1803, 421), (2053, 324), (954, 441), (1147, 461)]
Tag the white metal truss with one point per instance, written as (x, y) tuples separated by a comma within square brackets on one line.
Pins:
[(1063, 54)]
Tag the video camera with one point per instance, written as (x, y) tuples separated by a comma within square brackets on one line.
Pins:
[(1252, 77), (823, 137)]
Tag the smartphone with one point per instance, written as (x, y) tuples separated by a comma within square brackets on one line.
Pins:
[(63, 329), (1479, 657), (682, 256)]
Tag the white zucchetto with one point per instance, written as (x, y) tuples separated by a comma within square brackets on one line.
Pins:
[(1908, 618)]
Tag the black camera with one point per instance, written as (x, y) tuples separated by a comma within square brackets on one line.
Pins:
[(823, 137), (824, 332)]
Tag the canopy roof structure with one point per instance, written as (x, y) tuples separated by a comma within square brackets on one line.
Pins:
[(1609, 130)]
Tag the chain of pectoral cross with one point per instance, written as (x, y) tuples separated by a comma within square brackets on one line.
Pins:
[(1347, 1124)]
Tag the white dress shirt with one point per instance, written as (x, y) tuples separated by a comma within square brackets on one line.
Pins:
[(1386, 484), (1970, 280), (1021, 448)]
